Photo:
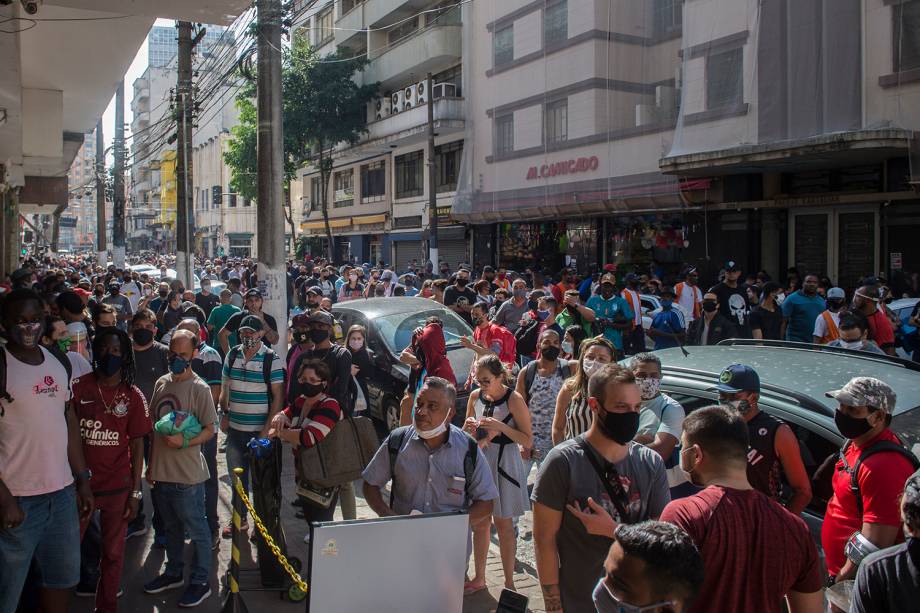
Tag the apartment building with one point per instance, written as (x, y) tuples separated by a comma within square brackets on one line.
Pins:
[(378, 190), (78, 221)]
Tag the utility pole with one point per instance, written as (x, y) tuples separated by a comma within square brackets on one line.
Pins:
[(101, 257), (183, 159), (432, 181), (118, 183), (270, 220)]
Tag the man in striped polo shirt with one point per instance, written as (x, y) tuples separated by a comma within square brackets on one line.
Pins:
[(251, 394)]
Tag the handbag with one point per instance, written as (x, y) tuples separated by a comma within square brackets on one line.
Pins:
[(320, 497), (342, 455)]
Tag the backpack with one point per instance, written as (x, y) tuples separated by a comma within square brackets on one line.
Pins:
[(395, 442), (530, 374), (267, 364), (526, 337), (878, 447), (57, 353)]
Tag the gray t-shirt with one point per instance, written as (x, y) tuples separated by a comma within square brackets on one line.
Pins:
[(567, 475), (150, 365), (509, 315), (661, 414), (187, 465)]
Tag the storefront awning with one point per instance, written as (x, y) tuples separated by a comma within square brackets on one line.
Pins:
[(369, 219), (333, 223)]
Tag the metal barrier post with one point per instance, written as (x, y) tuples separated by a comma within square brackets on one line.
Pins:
[(234, 601)]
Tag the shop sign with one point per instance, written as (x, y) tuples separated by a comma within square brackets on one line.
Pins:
[(444, 214), (568, 167), (896, 261)]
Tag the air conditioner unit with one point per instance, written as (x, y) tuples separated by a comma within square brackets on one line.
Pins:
[(398, 102), (646, 114), (422, 89), (411, 96), (444, 90), (381, 108), (666, 100)]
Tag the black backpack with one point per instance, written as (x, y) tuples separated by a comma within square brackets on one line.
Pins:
[(878, 447), (266, 368), (526, 337), (395, 442), (57, 353)]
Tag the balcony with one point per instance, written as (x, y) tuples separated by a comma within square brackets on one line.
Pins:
[(351, 26), (429, 50), (386, 12)]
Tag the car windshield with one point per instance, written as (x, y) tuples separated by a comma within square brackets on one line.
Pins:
[(907, 426), (396, 330)]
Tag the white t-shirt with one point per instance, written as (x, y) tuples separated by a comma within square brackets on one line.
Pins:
[(686, 297), (821, 325), (661, 414)]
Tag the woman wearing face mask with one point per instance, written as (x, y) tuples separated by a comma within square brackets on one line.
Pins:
[(361, 365), (426, 291), (483, 291), (352, 289), (498, 418), (305, 422), (572, 342), (539, 384), (573, 416)]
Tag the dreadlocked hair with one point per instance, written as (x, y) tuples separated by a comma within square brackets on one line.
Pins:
[(127, 352)]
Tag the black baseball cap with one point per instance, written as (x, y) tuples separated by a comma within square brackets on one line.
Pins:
[(731, 266), (738, 378), (251, 322), (253, 293)]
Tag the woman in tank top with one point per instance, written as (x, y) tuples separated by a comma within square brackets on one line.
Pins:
[(498, 418), (573, 416)]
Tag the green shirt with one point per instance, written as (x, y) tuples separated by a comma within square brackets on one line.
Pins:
[(219, 316)]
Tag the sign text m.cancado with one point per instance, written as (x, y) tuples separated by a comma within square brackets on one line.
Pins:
[(567, 167)]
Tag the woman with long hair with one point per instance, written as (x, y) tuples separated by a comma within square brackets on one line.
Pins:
[(573, 416), (498, 418)]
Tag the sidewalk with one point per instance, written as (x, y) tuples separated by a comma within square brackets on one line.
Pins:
[(143, 563)]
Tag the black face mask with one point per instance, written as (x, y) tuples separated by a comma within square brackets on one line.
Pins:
[(301, 337), (318, 336), (834, 304), (462, 282), (851, 427), (709, 306), (477, 321), (109, 364), (99, 292), (550, 353), (618, 427), (163, 293), (311, 390), (142, 336)]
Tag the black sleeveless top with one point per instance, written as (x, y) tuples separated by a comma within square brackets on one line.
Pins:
[(764, 469)]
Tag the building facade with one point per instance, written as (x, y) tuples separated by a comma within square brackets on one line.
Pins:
[(78, 221)]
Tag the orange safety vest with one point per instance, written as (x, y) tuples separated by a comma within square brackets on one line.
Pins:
[(696, 303), (833, 332), (635, 304)]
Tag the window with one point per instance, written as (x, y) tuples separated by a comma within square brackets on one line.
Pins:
[(247, 202), (503, 45), (724, 86), (444, 13), (556, 22), (906, 36), (316, 194), (344, 182), (216, 195), (410, 175), (451, 75), (347, 5), (447, 158), (231, 201), (667, 16), (504, 134), (556, 124), (373, 182), (402, 30), (323, 28)]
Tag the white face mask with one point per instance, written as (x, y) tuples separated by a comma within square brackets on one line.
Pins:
[(851, 344), (648, 387), (779, 299), (434, 432), (567, 347), (355, 345), (591, 366)]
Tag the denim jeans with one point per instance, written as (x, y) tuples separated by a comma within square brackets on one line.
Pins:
[(182, 508), (238, 457), (50, 533), (209, 450)]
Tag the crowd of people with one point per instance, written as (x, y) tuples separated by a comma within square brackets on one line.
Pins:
[(110, 377)]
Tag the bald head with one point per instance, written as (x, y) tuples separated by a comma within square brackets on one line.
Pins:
[(183, 342)]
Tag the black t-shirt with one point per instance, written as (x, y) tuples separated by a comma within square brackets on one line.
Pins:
[(207, 303), (733, 304), (770, 323), (466, 296), (888, 581), (233, 324), (150, 365)]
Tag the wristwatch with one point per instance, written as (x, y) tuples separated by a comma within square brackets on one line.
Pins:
[(86, 475), (137, 494)]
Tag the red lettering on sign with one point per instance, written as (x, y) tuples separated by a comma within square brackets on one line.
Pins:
[(565, 167)]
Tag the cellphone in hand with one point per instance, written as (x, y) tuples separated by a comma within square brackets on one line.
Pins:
[(511, 602)]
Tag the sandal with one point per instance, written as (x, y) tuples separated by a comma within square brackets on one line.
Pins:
[(470, 588)]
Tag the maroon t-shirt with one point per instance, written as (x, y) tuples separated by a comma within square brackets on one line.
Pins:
[(754, 550), (107, 432)]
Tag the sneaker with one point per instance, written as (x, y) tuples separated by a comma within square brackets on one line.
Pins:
[(162, 583), (194, 595), (133, 531), (227, 532)]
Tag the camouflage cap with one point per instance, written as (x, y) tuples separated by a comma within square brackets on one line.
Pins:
[(866, 392)]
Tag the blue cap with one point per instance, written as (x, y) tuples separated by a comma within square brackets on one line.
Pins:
[(739, 378)]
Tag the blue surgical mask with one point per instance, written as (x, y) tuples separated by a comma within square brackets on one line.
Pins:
[(542, 315), (666, 304), (178, 365)]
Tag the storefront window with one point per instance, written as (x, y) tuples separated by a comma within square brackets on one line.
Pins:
[(637, 243), (549, 246)]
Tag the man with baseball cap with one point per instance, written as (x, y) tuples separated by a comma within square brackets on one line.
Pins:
[(827, 324), (253, 306), (863, 515), (688, 294), (774, 449), (732, 296), (669, 326), (613, 313)]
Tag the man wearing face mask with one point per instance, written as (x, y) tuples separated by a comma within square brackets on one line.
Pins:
[(712, 327), (205, 299), (652, 566), (336, 357), (754, 551), (867, 480), (121, 304), (509, 314), (661, 417), (252, 393), (459, 298), (827, 323), (254, 309), (731, 296), (866, 302), (590, 484), (853, 331), (490, 338), (774, 449), (767, 317), (668, 327), (614, 315), (801, 309)]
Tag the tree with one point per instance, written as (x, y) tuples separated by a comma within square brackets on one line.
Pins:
[(322, 106)]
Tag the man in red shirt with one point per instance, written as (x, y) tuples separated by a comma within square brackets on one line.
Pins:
[(863, 417), (113, 421), (866, 301), (559, 290), (756, 553), (490, 338)]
